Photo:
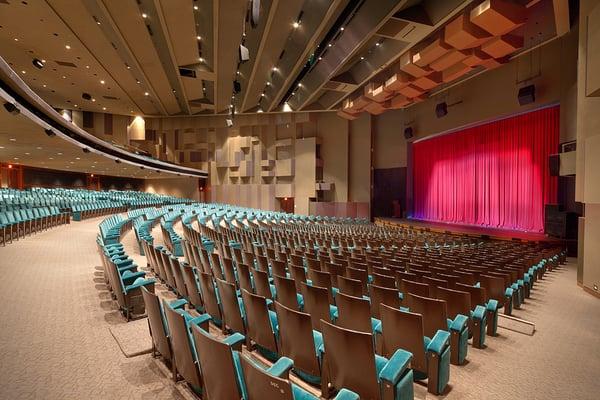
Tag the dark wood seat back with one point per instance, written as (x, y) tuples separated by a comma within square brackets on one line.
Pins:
[(230, 307), (433, 311), (403, 330)]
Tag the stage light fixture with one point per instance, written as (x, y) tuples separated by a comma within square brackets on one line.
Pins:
[(408, 133), (37, 63), (11, 108)]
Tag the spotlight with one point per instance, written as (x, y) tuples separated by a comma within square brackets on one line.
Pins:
[(86, 96), (229, 122), (527, 95), (441, 109), (49, 132), (85, 150), (244, 53), (408, 133), (11, 108), (37, 63)]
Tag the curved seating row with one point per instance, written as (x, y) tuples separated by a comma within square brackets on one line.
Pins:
[(17, 223)]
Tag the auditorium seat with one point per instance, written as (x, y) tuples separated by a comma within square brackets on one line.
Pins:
[(261, 325), (377, 377), (431, 355), (435, 317), (316, 303)]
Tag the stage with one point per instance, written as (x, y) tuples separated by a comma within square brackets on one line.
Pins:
[(471, 230)]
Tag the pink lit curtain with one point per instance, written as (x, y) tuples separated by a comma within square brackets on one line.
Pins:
[(493, 175)]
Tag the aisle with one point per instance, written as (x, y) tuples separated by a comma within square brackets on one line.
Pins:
[(55, 313)]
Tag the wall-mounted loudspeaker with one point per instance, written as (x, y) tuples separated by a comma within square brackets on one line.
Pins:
[(527, 95), (408, 133), (554, 164), (244, 53), (441, 109)]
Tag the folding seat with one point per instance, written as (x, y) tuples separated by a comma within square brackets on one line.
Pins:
[(157, 324), (435, 317), (430, 355), (279, 268), (244, 277), (127, 289), (384, 281), (231, 308), (350, 287), (495, 288), (322, 279), (210, 298), (285, 289), (459, 303), (297, 260), (360, 275), (192, 287), (262, 285), (248, 258), (182, 345), (434, 283), (300, 342), (376, 378), (180, 288), (382, 295), (479, 297), (299, 276), (261, 325), (334, 271), (8, 227), (166, 263), (229, 270), (406, 287), (355, 313), (403, 275)]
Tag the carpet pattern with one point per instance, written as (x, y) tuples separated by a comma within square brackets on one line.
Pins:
[(55, 342)]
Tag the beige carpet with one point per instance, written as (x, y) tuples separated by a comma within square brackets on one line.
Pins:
[(54, 341), (133, 338)]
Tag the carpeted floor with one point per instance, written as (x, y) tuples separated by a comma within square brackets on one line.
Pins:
[(55, 341)]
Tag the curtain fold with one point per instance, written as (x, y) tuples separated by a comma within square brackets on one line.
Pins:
[(494, 175)]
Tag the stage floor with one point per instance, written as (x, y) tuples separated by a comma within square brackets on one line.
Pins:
[(493, 233)]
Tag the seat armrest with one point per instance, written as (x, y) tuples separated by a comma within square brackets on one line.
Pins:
[(478, 313), (235, 341), (178, 304), (459, 323), (139, 283), (508, 292), (439, 342), (199, 320), (345, 394), (492, 305), (130, 278), (396, 366), (281, 368)]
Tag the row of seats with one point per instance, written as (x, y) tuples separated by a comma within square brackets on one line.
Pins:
[(121, 274), (16, 224)]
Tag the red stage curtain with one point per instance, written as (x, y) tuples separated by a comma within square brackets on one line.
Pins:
[(494, 175)]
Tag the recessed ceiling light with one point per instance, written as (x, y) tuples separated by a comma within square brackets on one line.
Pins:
[(44, 61), (144, 15), (146, 94), (296, 24), (342, 29), (87, 66), (93, 100), (75, 105), (77, 158), (104, 108), (320, 58), (102, 82), (39, 148), (377, 44), (23, 72), (44, 85), (329, 45), (64, 77), (299, 85), (198, 37), (137, 81), (1, 147), (16, 158), (274, 69), (201, 59), (12, 139), (60, 154), (262, 95), (362, 57), (16, 40), (93, 166), (50, 158), (67, 47), (71, 162), (196, 8), (268, 83), (27, 154)]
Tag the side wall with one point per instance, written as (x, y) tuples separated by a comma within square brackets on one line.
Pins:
[(179, 187)]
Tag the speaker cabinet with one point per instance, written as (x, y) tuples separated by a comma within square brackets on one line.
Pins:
[(527, 95), (554, 164)]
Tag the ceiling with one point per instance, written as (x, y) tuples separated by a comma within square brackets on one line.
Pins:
[(24, 142), (181, 57)]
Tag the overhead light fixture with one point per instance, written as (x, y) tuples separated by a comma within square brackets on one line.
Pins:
[(196, 8), (144, 15), (201, 59), (296, 24), (146, 94), (198, 37), (37, 63), (286, 107), (104, 108), (362, 58), (11, 108), (259, 110), (274, 69), (102, 82), (23, 72), (67, 47), (342, 29), (329, 45), (268, 83)]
